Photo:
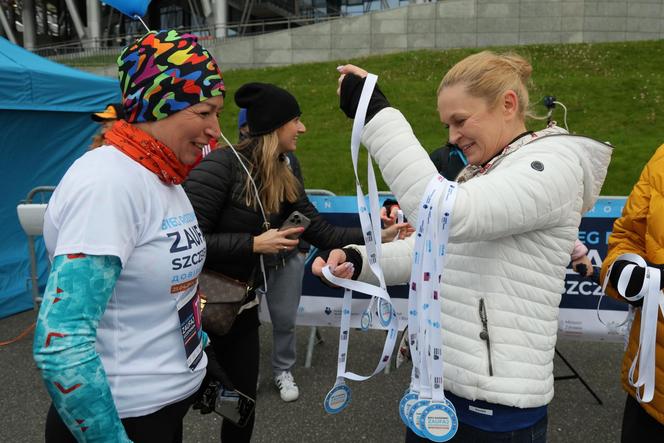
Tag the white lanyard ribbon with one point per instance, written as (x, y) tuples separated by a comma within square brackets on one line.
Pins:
[(653, 298), (371, 230), (424, 304), (344, 332)]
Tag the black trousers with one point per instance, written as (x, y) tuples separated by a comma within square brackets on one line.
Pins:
[(162, 426), (238, 354), (638, 426)]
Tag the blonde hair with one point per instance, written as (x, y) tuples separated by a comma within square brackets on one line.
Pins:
[(489, 75), (274, 178)]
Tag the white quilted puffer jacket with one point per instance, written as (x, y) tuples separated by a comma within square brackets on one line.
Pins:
[(513, 229)]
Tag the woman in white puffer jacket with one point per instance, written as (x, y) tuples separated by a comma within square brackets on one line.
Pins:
[(514, 223)]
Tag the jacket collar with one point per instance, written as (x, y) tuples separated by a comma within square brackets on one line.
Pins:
[(472, 171)]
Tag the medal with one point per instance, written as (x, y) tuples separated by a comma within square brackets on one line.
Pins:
[(365, 320), (405, 404), (385, 312), (337, 399), (438, 422), (414, 416)]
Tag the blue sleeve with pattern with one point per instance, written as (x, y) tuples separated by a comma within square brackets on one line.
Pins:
[(78, 290)]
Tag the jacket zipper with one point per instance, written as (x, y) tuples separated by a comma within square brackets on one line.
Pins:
[(484, 335)]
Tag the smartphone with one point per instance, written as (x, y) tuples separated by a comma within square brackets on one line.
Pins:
[(295, 220), (234, 406)]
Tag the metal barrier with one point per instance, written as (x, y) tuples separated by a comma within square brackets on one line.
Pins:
[(320, 192), (31, 218), (106, 49)]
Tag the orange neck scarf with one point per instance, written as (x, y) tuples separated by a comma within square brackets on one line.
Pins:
[(146, 150)]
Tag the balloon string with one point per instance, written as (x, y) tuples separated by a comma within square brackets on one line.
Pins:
[(137, 17)]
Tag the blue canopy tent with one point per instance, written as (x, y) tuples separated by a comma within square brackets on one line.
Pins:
[(44, 126)]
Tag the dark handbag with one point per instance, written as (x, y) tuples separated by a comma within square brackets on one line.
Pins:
[(224, 296)]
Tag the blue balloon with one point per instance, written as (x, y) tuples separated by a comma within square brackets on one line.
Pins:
[(129, 7)]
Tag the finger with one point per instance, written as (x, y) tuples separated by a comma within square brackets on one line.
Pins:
[(339, 82), (406, 231), (352, 69), (317, 267), (291, 232), (317, 270), (289, 244), (336, 257), (383, 214), (344, 270), (394, 212)]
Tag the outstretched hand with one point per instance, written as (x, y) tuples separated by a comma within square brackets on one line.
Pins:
[(351, 84), (338, 266), (349, 69)]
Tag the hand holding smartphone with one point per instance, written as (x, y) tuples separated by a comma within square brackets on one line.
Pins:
[(295, 220)]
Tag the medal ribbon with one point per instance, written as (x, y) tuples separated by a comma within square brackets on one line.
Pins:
[(371, 230), (424, 304)]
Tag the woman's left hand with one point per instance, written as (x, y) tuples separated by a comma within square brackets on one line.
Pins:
[(339, 267), (404, 230), (349, 69)]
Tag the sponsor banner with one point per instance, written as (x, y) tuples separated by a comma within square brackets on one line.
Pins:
[(320, 305)]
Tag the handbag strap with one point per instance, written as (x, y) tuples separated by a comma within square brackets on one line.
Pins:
[(266, 224)]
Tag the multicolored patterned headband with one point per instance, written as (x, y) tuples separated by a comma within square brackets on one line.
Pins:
[(164, 72)]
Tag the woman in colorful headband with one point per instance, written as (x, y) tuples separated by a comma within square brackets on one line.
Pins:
[(118, 338), (513, 226), (240, 223)]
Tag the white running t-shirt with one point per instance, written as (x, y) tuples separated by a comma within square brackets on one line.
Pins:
[(108, 204)]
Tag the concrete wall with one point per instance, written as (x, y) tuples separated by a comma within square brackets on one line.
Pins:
[(450, 24)]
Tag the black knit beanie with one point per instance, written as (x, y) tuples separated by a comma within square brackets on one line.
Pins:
[(268, 107)]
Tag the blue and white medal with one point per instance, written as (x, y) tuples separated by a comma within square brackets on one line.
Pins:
[(337, 399)]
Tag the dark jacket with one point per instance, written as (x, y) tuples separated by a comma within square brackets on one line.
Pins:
[(216, 189), (449, 160)]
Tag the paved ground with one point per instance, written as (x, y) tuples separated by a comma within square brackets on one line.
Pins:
[(574, 416)]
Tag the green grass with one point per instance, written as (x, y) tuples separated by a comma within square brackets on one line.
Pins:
[(613, 91)]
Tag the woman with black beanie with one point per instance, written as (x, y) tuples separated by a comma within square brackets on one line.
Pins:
[(241, 198)]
